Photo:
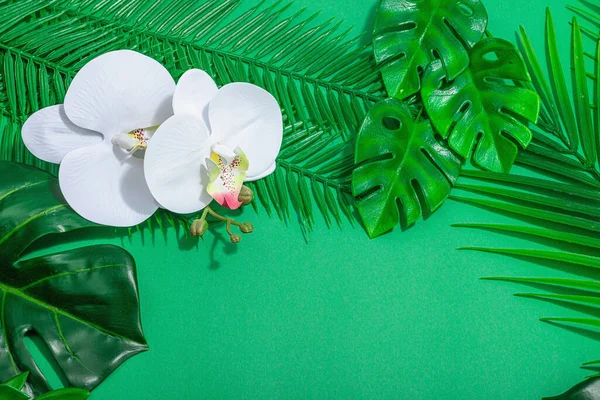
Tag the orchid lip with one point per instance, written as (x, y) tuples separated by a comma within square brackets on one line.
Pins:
[(134, 142), (224, 152)]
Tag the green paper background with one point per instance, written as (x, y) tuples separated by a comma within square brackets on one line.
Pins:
[(400, 317)]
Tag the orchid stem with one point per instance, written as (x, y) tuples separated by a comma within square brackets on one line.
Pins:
[(200, 225), (228, 228), (229, 221)]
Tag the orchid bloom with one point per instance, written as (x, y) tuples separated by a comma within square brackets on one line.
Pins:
[(217, 139), (98, 136)]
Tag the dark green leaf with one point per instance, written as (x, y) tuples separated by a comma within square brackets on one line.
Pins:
[(409, 34), (77, 300), (475, 110), (586, 390), (398, 161)]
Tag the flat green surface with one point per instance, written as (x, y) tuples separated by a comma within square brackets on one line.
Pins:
[(403, 316)]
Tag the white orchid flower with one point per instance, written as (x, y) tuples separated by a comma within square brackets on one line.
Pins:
[(111, 109), (217, 139)]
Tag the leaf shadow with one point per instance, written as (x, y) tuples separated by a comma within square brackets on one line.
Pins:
[(523, 218), (542, 286), (367, 36), (219, 239), (186, 241), (593, 7), (580, 308), (581, 270), (591, 368), (589, 333), (563, 246)]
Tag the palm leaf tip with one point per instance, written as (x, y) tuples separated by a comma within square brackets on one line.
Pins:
[(591, 322)]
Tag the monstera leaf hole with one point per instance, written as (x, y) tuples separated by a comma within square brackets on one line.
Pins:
[(491, 56), (468, 11), (391, 123), (44, 360)]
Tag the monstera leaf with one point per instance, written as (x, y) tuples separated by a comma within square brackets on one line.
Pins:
[(409, 34), (479, 109), (83, 303), (586, 390), (399, 161), (12, 390)]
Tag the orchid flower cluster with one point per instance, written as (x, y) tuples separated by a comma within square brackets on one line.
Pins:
[(129, 141)]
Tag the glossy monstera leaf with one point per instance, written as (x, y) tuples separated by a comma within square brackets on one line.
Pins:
[(586, 390), (483, 111), (399, 161), (83, 302), (409, 34), (13, 390)]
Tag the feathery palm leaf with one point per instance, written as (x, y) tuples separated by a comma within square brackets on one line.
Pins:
[(324, 82), (559, 196)]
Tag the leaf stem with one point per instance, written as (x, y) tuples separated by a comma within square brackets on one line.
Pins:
[(229, 221)]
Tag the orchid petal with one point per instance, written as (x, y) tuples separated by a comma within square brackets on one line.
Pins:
[(262, 175), (118, 92), (49, 135), (105, 185), (174, 164), (227, 179), (193, 93), (246, 116)]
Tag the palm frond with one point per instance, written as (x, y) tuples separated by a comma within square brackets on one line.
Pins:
[(558, 202), (324, 81), (565, 146)]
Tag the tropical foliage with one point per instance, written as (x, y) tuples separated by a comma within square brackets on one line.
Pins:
[(586, 390), (557, 194), (409, 35), (474, 93), (399, 156), (483, 111), (323, 80), (81, 302), (14, 389)]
